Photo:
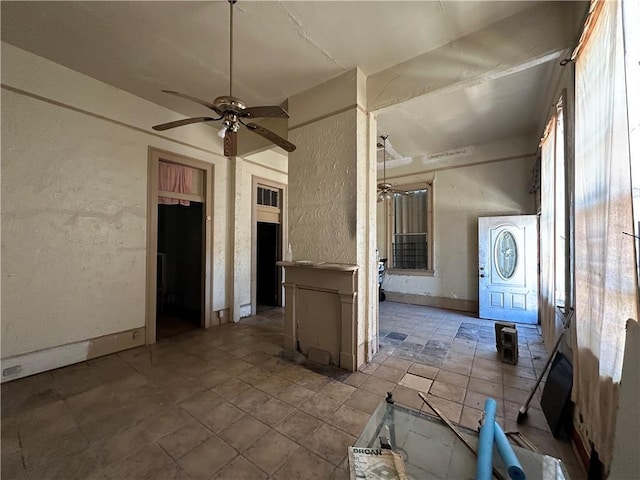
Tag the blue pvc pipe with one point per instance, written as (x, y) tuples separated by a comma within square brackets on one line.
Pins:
[(485, 441), (508, 455)]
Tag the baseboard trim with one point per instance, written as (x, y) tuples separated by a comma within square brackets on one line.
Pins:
[(31, 363), (458, 304)]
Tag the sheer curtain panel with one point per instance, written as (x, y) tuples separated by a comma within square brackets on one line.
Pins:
[(604, 257)]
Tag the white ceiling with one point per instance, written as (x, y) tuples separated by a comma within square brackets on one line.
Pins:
[(282, 48)]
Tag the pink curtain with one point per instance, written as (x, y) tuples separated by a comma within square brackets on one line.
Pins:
[(174, 178)]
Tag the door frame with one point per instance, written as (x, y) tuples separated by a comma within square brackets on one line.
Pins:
[(156, 155), (284, 238)]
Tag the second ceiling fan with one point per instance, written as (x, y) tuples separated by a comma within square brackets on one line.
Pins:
[(233, 112), (386, 190)]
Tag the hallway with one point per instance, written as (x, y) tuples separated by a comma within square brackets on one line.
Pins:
[(229, 403)]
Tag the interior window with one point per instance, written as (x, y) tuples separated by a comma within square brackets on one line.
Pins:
[(410, 230)]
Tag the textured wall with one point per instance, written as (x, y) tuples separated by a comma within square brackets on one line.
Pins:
[(461, 196), (74, 204), (322, 211)]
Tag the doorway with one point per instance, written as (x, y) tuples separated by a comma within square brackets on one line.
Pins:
[(267, 248), (179, 273), (179, 239)]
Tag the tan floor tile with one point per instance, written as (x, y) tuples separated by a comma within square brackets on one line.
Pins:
[(484, 364), (397, 363), (519, 383), (420, 384), (204, 461), (213, 377), (369, 368), (241, 469), (330, 443), (337, 391), (257, 358), (250, 399), (378, 386), (273, 412), (254, 375), (452, 378), (356, 379), (406, 396), (389, 374), (477, 400), (221, 417), (349, 419), (426, 371), (379, 358), (341, 474), (460, 368), (365, 401), (321, 407), (271, 454), (119, 446), (448, 392), (470, 417), (304, 464), (516, 395), (184, 439), (313, 381), (179, 393), (241, 434), (490, 389), (274, 385), (165, 421), (299, 426), (296, 395), (489, 375), (519, 371), (201, 402), (41, 450), (173, 472), (231, 389), (449, 409), (144, 463)]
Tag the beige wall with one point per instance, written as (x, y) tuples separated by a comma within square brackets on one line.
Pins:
[(74, 186), (461, 195)]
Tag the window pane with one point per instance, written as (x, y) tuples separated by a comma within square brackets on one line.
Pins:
[(410, 230)]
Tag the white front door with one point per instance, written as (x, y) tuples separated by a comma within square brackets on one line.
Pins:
[(507, 267)]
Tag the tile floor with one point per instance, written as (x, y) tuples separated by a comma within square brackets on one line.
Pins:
[(229, 403)]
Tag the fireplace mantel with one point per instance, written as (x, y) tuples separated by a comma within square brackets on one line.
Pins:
[(321, 310)]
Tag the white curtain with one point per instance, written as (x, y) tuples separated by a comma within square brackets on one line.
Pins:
[(547, 236), (604, 257)]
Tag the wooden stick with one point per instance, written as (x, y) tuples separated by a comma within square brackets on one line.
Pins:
[(455, 430)]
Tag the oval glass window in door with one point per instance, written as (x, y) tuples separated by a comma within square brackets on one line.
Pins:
[(506, 254)]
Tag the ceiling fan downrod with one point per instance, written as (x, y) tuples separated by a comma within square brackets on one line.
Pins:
[(231, 4)]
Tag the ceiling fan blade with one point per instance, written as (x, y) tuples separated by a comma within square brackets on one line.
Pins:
[(271, 136), (193, 99), (273, 111), (179, 123), (230, 143)]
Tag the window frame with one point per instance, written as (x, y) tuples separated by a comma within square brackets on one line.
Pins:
[(430, 270)]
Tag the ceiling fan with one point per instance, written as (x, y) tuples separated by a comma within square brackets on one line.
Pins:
[(386, 190), (232, 111)]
